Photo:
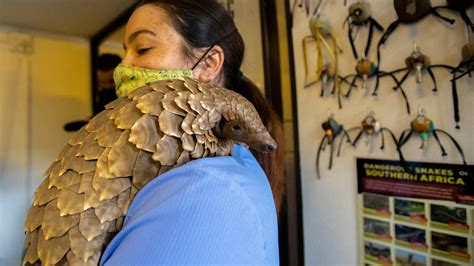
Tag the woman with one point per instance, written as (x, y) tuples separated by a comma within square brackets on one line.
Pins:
[(212, 210)]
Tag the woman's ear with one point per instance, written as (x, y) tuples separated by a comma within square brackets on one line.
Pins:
[(208, 70)]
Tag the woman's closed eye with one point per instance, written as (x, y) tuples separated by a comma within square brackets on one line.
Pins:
[(143, 51)]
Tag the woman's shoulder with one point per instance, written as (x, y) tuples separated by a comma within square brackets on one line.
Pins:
[(221, 204), (205, 183), (240, 172)]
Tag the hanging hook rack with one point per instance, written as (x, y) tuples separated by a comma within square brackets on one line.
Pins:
[(421, 111), (317, 8), (330, 114)]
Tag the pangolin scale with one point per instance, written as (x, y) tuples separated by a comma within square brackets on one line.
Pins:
[(87, 190)]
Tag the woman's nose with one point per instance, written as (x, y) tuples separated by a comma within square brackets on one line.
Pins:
[(128, 59)]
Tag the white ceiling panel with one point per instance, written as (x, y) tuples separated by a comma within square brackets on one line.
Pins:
[(73, 17)]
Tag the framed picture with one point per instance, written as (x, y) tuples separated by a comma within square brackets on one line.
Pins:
[(404, 257), (410, 211), (410, 237), (449, 218)]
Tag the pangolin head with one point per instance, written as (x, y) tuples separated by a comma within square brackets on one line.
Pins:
[(241, 123)]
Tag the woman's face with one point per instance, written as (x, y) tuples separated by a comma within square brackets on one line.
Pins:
[(152, 42)]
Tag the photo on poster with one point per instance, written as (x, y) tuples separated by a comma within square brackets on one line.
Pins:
[(407, 258), (472, 222), (450, 246), (377, 205), (410, 211), (377, 253), (436, 262), (410, 237), (449, 218), (376, 229)]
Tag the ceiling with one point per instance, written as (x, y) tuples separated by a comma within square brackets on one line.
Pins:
[(72, 17)]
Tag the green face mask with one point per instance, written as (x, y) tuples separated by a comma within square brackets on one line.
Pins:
[(128, 78)]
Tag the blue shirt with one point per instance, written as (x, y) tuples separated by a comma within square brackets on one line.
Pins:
[(209, 211)]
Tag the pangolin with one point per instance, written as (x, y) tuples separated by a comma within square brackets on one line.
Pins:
[(87, 190)]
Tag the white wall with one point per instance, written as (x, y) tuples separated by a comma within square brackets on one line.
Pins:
[(247, 20), (329, 204), (58, 72), (13, 149)]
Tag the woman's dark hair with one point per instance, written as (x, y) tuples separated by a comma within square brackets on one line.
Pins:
[(205, 23), (108, 61)]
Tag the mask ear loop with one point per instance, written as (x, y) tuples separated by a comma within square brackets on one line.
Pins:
[(203, 56), (212, 46)]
